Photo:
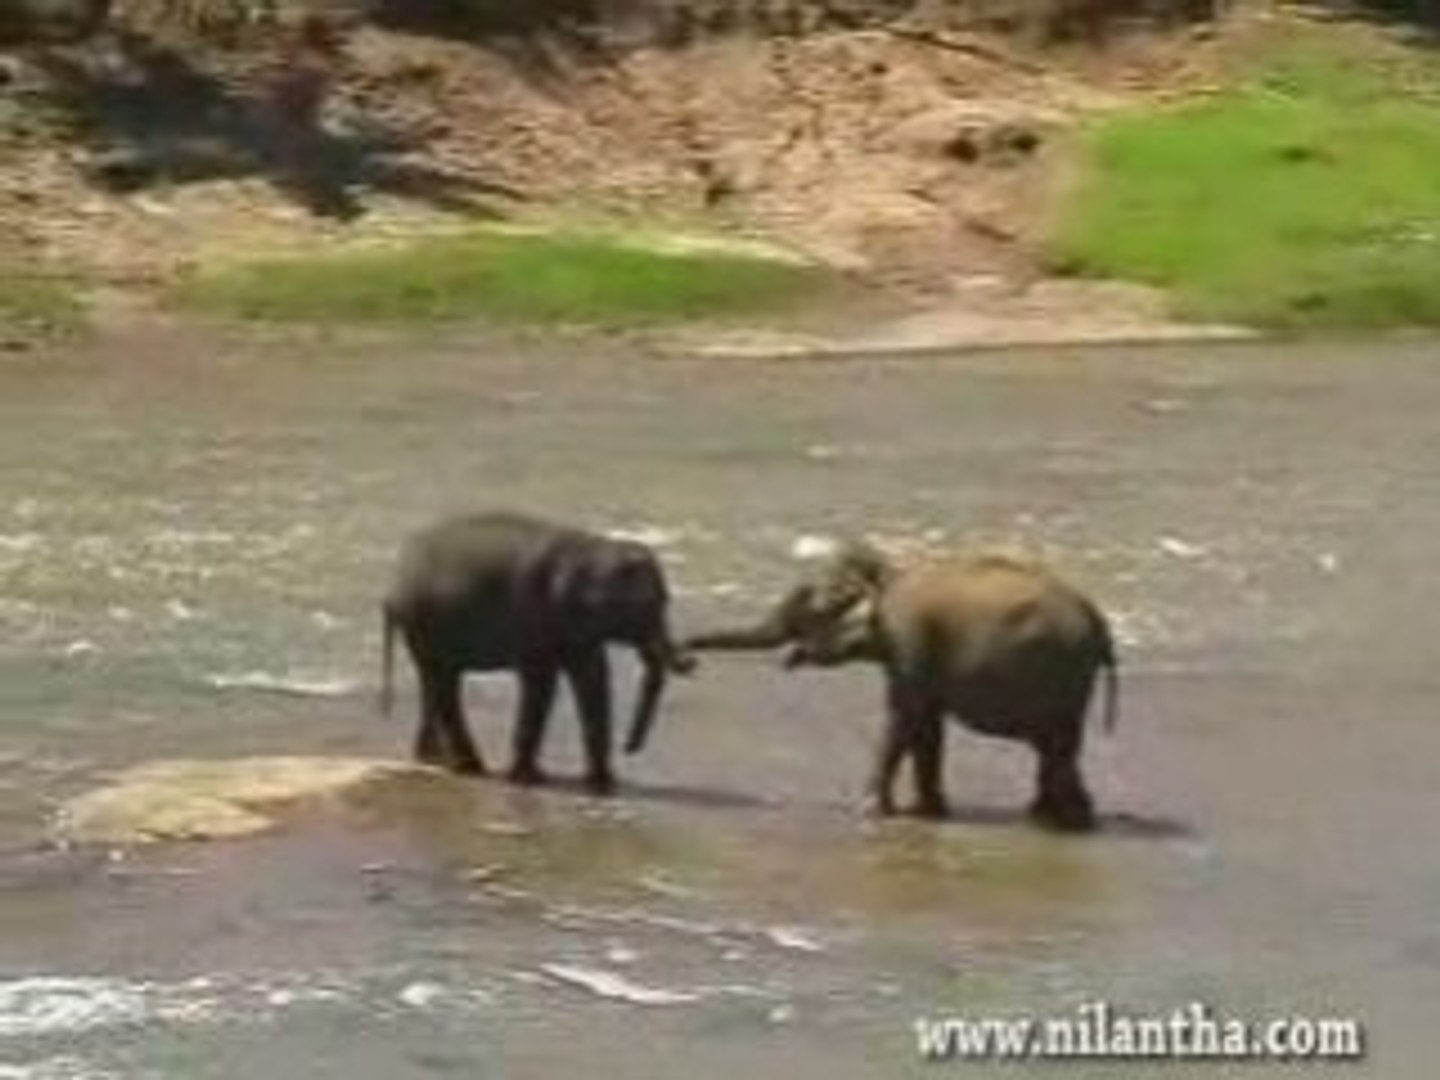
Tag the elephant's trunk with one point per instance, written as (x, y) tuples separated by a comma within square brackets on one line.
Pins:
[(770, 633), (659, 657)]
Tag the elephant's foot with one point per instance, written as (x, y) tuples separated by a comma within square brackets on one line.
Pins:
[(433, 758), (931, 808), (438, 759), (467, 766), (1072, 812), (877, 805), (600, 783), (526, 774)]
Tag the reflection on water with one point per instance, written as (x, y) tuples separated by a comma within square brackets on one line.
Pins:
[(192, 537)]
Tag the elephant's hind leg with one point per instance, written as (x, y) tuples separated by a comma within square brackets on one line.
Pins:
[(1062, 801), (537, 697), (429, 746), (444, 730)]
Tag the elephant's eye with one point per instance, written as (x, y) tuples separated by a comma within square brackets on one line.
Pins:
[(834, 599)]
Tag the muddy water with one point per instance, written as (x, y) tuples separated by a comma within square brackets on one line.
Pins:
[(193, 535)]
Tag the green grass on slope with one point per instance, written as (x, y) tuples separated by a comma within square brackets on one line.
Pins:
[(521, 278), (1308, 196), (32, 303)]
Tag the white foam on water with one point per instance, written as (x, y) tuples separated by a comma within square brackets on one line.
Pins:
[(52, 1004), (421, 995), (506, 828), (62, 1007), (287, 991), (617, 952), (725, 588), (811, 546), (424, 995), (1180, 549), (731, 938), (59, 1005), (656, 536), (616, 987), (794, 938), (720, 590), (179, 610), (65, 1067), (1141, 629), (663, 886), (292, 685), (192, 537)]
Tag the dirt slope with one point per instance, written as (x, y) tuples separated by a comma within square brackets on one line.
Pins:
[(909, 150)]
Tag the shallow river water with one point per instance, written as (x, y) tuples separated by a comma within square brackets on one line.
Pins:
[(193, 536)]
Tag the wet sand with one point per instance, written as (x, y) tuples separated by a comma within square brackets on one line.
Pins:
[(192, 539)]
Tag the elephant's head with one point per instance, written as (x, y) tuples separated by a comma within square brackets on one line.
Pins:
[(830, 616), (616, 591), (827, 619)]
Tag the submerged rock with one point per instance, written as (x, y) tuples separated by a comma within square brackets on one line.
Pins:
[(213, 800)]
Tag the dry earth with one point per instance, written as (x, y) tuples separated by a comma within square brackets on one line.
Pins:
[(923, 160)]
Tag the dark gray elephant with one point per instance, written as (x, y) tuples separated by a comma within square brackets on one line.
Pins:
[(1001, 644), (500, 591)]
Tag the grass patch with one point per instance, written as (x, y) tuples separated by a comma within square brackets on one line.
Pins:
[(1307, 196), (506, 277), (36, 304)]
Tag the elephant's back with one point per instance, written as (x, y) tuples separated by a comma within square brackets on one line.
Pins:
[(992, 595), (470, 559)]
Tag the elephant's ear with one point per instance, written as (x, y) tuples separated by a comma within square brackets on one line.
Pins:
[(568, 588), (859, 624), (636, 568), (866, 563)]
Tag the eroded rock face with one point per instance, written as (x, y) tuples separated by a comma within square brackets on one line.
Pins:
[(213, 800)]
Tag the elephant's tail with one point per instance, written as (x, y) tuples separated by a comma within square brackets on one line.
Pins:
[(387, 660), (1112, 692), (1110, 667)]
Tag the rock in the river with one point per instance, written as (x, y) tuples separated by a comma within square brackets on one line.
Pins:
[(210, 800)]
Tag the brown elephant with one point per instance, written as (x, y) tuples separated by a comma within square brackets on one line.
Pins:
[(1000, 643)]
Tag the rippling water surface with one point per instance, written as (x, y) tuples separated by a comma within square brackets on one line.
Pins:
[(193, 534)]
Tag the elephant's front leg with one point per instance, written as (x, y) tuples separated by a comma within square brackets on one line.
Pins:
[(928, 755), (589, 675), (880, 792), (915, 726), (896, 739), (537, 696)]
